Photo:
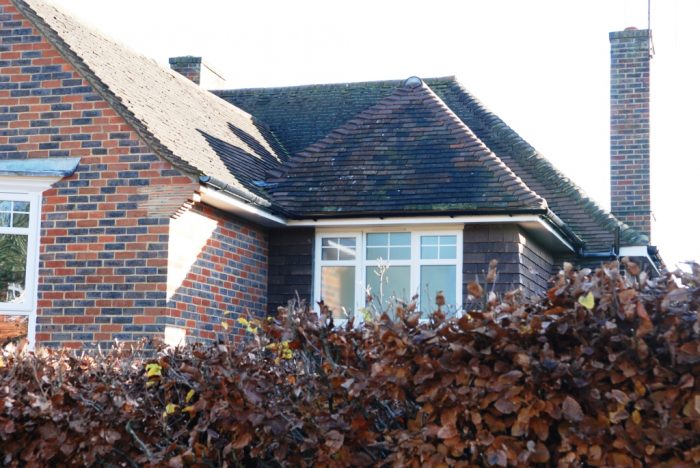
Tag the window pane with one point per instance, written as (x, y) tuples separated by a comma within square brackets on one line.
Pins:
[(400, 238), (389, 246), (13, 266), (13, 327), (380, 239), (438, 247), (338, 289), (346, 253), (20, 220), (22, 206), (448, 252), (434, 278), (429, 252), (400, 253), (4, 219), (338, 248), (388, 284), (377, 253), (429, 240), (5, 205)]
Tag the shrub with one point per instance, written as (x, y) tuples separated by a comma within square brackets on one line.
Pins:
[(604, 370)]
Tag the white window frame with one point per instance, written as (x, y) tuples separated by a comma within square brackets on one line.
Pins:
[(361, 262), (26, 188)]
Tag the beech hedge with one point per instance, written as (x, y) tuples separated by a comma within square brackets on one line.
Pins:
[(602, 371)]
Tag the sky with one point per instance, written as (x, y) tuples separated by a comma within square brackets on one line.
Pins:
[(540, 65)]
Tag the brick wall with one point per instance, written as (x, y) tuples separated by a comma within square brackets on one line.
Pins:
[(217, 271), (188, 66), (291, 267), (629, 128), (104, 231)]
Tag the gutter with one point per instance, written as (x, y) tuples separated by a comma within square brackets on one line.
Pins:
[(564, 228), (235, 191)]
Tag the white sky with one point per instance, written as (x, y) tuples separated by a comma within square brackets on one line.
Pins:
[(541, 65)]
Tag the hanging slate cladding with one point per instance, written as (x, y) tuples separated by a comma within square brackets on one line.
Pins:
[(406, 154)]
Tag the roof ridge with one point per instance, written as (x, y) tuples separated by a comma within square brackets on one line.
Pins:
[(603, 216), (224, 92)]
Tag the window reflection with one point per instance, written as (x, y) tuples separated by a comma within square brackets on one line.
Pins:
[(13, 267)]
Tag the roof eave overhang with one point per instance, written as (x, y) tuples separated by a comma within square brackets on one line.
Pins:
[(642, 251), (239, 207), (536, 225)]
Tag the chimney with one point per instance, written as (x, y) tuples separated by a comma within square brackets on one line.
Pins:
[(630, 196), (193, 68)]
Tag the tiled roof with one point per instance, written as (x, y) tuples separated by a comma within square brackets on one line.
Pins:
[(301, 115), (195, 130), (409, 153)]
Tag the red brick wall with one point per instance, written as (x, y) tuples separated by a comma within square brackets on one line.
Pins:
[(630, 191), (218, 271), (103, 256)]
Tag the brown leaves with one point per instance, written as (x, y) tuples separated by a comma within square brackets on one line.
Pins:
[(571, 410), (475, 289), (601, 372)]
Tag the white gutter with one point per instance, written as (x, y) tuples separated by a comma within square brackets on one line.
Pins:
[(395, 221), (221, 200), (638, 251)]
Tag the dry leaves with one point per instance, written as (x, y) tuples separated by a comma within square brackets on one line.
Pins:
[(603, 371)]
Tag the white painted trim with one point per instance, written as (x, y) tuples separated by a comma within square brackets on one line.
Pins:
[(638, 251), (29, 188), (26, 184), (228, 203), (553, 232), (413, 220), (634, 251)]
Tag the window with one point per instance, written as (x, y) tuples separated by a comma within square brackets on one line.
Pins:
[(22, 182), (387, 265), (19, 247)]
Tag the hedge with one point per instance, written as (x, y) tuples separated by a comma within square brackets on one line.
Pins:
[(604, 370)]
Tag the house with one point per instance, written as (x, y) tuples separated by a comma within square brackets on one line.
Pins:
[(134, 203)]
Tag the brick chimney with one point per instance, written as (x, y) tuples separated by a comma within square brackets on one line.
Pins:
[(193, 68), (630, 196)]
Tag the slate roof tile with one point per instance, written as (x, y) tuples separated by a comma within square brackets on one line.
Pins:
[(304, 114), (406, 153)]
